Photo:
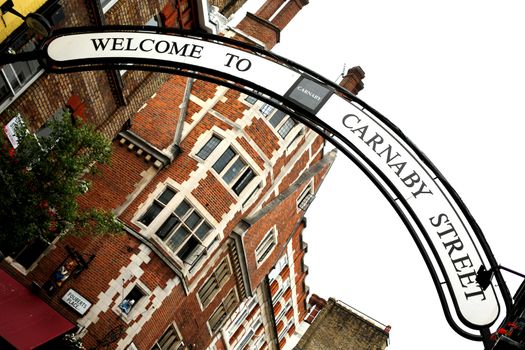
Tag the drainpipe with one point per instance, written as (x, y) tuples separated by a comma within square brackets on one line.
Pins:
[(175, 149), (267, 294)]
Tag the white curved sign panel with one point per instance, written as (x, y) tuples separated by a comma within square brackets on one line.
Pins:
[(438, 219)]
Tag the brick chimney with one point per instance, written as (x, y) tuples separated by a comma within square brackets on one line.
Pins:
[(316, 304), (269, 8), (288, 12), (352, 81), (266, 24)]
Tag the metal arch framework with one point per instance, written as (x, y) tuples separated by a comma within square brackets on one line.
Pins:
[(447, 236)]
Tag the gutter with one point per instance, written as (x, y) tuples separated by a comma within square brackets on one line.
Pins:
[(274, 336)]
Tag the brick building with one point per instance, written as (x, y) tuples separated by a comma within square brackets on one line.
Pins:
[(212, 187), (105, 98)]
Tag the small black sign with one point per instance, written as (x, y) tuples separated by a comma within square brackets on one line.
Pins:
[(309, 94)]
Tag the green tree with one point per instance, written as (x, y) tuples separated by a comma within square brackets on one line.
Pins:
[(41, 180)]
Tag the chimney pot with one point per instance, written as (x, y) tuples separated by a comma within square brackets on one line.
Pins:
[(352, 81)]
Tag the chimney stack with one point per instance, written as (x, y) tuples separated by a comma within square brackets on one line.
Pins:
[(266, 24), (352, 81), (288, 12), (269, 8)]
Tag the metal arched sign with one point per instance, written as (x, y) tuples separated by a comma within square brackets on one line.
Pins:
[(447, 236)]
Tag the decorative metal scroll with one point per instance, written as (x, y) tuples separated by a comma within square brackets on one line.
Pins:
[(450, 241)]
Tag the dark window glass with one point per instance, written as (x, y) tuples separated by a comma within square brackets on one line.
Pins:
[(277, 118), (185, 252), (13, 77), (169, 340), (250, 99), (234, 170), (203, 230), (266, 109), (5, 92), (166, 196), (178, 237), (157, 206), (151, 213), (243, 181), (224, 159), (209, 147), (167, 226), (193, 220), (287, 127), (182, 209), (131, 299), (30, 253), (266, 251)]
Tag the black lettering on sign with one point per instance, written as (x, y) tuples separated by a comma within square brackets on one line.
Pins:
[(241, 64)]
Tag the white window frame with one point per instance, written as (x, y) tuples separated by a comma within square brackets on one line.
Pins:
[(247, 336), (178, 342), (181, 223), (307, 194), (138, 308), (257, 322), (230, 166), (210, 152), (260, 342), (286, 307), (269, 112), (279, 266), (159, 203), (24, 271), (286, 284), (266, 246), (249, 190), (249, 98), (15, 92), (285, 330), (267, 109), (242, 313), (226, 312), (204, 247), (216, 281)]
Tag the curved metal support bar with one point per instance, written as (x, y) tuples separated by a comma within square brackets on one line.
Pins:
[(443, 229)]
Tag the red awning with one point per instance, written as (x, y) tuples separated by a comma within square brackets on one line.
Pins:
[(25, 320)]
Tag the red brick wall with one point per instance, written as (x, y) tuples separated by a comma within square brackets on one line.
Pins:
[(269, 8), (266, 139), (157, 121), (115, 181), (259, 29), (51, 91), (288, 12), (212, 194)]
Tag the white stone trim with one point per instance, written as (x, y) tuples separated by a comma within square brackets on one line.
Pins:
[(106, 298), (159, 295)]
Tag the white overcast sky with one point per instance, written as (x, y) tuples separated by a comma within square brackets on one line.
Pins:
[(450, 75)]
